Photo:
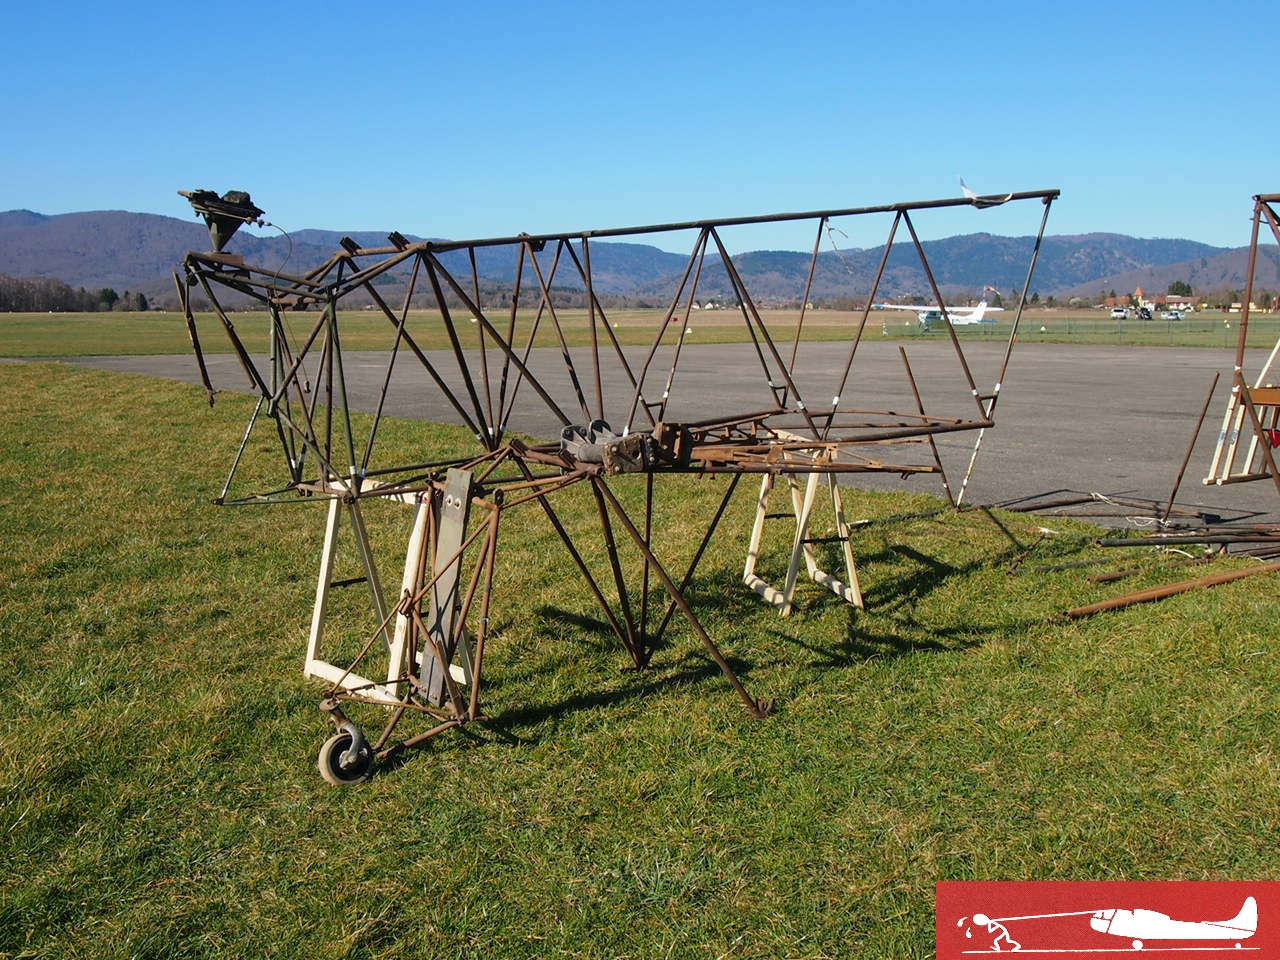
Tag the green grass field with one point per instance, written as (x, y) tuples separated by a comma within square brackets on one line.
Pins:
[(158, 792), (90, 334)]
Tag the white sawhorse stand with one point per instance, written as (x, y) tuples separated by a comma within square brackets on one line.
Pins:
[(802, 545), (1253, 413)]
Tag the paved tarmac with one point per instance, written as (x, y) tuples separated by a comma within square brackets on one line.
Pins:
[(1114, 421)]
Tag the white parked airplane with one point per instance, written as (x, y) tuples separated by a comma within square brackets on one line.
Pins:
[(959, 315), (1140, 925)]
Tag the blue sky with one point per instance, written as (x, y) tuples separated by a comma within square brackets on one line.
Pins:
[(488, 119)]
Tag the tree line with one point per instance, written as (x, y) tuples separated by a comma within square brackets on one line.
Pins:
[(45, 294)]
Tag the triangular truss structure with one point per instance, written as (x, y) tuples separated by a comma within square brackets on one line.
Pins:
[(608, 414)]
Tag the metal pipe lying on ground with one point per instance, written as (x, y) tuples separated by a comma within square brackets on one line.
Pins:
[(1134, 571), (1168, 590), (1184, 538)]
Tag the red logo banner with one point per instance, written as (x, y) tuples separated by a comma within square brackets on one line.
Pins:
[(1098, 919)]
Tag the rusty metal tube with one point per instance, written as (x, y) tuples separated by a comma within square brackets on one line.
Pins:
[(1168, 590)]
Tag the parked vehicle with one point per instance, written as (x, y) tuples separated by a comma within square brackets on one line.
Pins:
[(1119, 313), (1144, 313)]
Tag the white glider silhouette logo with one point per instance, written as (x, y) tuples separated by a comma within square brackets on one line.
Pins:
[(1143, 925)]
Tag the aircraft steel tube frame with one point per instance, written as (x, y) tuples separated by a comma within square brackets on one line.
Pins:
[(316, 431)]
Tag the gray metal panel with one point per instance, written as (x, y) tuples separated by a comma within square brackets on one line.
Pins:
[(453, 510)]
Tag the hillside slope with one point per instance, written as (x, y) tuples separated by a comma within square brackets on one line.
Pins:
[(138, 251)]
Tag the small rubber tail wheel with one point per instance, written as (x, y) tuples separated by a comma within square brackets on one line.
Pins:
[(357, 769)]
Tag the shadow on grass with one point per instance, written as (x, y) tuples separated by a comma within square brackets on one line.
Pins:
[(521, 726), (688, 671), (596, 627), (733, 615), (909, 577)]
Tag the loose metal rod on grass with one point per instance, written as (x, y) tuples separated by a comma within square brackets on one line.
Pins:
[(1134, 571), (1176, 538), (1169, 590)]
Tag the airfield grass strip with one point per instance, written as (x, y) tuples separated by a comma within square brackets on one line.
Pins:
[(158, 792), (155, 332)]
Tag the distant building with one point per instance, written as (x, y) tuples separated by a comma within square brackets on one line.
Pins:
[(1162, 301), (1174, 302)]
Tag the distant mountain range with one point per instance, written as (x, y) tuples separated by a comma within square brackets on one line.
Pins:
[(138, 252)]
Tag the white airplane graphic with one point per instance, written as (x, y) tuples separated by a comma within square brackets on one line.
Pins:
[(1141, 925), (927, 314)]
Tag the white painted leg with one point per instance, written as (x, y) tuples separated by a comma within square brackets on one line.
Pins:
[(316, 637)]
